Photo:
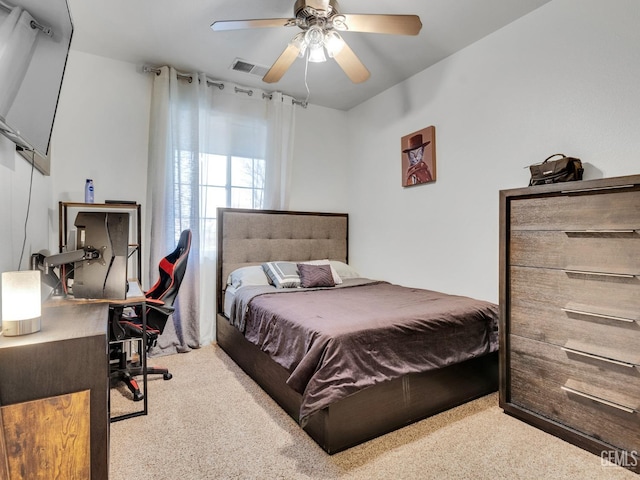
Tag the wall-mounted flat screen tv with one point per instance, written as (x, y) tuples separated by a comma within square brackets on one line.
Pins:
[(35, 36)]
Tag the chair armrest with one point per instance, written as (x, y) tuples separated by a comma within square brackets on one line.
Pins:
[(154, 301)]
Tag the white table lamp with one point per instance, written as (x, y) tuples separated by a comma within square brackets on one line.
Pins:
[(21, 302)]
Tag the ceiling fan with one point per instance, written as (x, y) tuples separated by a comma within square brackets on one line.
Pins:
[(320, 22)]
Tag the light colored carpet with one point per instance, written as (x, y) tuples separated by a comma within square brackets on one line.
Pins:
[(212, 422)]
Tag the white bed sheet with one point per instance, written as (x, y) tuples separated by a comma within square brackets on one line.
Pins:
[(229, 295)]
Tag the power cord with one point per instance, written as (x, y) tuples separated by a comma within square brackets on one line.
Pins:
[(26, 220)]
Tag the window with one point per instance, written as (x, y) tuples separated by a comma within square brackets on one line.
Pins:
[(228, 181)]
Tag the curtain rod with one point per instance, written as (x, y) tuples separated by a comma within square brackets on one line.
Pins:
[(156, 70), (34, 25), (295, 101), (148, 69)]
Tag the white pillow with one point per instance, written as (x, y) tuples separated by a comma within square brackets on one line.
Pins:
[(244, 276), (344, 270), (337, 279)]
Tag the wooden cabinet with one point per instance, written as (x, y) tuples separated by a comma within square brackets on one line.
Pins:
[(570, 312), (47, 438), (53, 377)]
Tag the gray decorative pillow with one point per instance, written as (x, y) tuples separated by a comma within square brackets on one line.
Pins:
[(315, 275), (336, 277), (282, 274)]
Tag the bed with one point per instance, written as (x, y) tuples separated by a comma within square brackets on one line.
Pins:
[(313, 349)]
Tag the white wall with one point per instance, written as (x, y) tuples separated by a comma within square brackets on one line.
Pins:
[(319, 173), (15, 181), (101, 131), (562, 79)]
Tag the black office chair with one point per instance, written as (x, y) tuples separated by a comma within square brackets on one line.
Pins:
[(127, 323)]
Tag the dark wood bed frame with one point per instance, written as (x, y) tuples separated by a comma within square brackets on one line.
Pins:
[(366, 414)]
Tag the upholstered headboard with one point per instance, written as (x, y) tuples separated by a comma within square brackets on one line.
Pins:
[(251, 237)]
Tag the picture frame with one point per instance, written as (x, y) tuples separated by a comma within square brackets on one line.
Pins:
[(418, 151)]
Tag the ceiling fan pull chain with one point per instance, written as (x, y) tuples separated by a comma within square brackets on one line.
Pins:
[(306, 71)]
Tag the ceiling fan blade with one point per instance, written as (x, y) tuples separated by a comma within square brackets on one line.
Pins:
[(393, 24), (282, 64), (224, 25), (351, 64)]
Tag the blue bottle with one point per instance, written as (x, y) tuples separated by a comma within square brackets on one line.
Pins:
[(88, 191)]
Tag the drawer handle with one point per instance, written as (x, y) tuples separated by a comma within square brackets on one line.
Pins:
[(598, 315), (624, 408), (601, 274), (623, 230), (597, 357), (595, 189)]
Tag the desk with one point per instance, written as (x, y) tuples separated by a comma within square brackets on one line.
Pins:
[(135, 297), (68, 355)]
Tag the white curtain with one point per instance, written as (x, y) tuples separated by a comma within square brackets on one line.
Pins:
[(17, 43), (191, 117), (279, 152)]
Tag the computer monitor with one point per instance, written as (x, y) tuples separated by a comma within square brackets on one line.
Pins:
[(105, 276)]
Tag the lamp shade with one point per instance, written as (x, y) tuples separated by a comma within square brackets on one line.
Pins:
[(314, 37), (334, 43), (316, 54), (21, 302)]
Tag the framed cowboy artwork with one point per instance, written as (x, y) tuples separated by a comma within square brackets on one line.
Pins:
[(419, 157)]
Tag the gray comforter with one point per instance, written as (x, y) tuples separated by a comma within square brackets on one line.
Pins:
[(337, 341)]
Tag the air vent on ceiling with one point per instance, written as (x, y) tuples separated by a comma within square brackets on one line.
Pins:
[(247, 67)]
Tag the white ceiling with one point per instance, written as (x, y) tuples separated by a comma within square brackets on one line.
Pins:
[(177, 33)]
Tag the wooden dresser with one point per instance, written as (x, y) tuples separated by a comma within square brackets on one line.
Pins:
[(54, 392), (570, 313)]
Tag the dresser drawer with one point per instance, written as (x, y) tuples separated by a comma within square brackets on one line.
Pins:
[(611, 418), (542, 286), (555, 307), (594, 251), (559, 365), (614, 209)]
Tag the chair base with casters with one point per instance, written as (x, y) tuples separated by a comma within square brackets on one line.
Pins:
[(124, 367), (131, 370), (121, 371)]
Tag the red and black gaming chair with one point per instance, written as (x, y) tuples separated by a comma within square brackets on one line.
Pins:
[(159, 307)]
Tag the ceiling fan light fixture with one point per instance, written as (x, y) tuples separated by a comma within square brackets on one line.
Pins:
[(333, 43), (316, 54), (300, 43), (314, 38)]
